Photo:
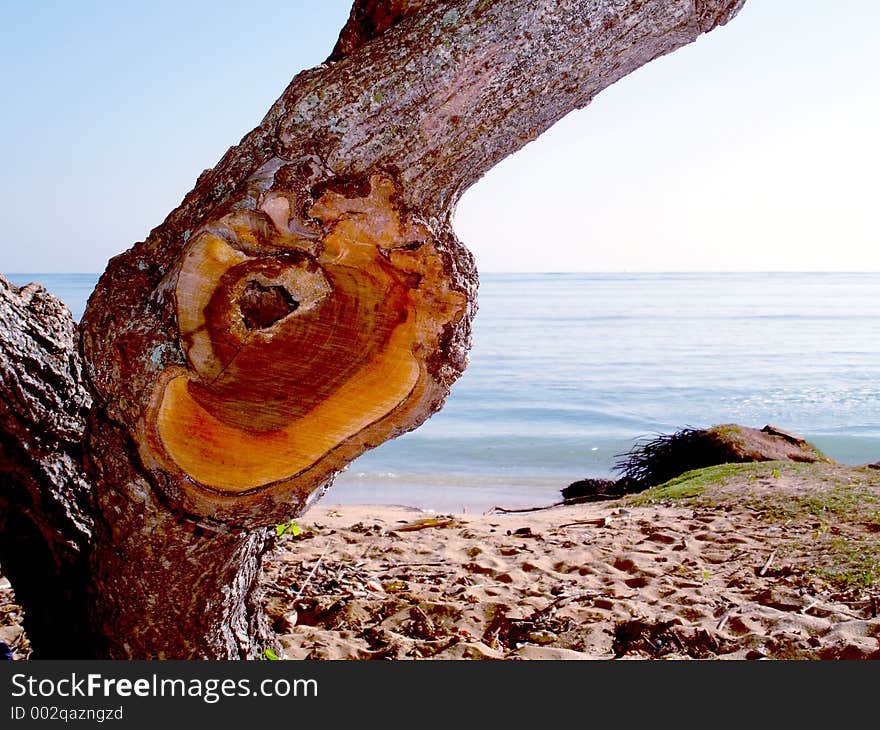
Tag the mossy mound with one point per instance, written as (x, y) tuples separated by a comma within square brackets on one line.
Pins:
[(668, 456), (656, 461)]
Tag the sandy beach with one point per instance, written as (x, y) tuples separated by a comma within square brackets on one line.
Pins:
[(754, 561), (761, 563)]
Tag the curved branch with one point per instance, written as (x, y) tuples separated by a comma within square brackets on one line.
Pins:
[(448, 89), (309, 299), (448, 92)]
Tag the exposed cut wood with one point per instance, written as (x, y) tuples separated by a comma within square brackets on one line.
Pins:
[(303, 343)]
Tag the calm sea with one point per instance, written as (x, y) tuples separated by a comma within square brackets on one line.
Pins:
[(568, 370)]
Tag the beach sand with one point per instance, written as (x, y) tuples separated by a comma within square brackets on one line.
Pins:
[(777, 561), (731, 574)]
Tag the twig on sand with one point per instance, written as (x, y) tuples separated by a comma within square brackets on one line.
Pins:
[(767, 564), (727, 614), (506, 510), (806, 609), (425, 524), (312, 573), (826, 606), (597, 522), (844, 613), (563, 599)]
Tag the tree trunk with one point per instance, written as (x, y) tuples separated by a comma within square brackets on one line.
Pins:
[(307, 301), (45, 497)]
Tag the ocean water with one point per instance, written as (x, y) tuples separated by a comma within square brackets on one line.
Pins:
[(569, 370)]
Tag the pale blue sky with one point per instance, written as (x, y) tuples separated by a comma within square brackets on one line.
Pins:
[(754, 149)]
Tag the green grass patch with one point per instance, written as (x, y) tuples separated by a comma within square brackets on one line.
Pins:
[(850, 564), (838, 499), (841, 492), (829, 514), (690, 485), (848, 500)]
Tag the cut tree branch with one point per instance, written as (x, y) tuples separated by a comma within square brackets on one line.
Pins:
[(307, 301), (240, 423)]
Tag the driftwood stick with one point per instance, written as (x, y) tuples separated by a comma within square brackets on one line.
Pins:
[(724, 618), (811, 605), (424, 524), (767, 564), (312, 572), (519, 510), (598, 522)]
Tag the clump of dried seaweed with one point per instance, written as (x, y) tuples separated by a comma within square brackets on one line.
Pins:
[(666, 456)]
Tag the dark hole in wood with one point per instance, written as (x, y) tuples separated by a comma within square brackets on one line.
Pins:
[(262, 306)]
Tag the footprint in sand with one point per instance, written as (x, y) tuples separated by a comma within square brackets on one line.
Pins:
[(627, 565)]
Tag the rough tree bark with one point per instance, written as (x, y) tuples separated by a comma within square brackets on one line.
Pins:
[(307, 301)]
